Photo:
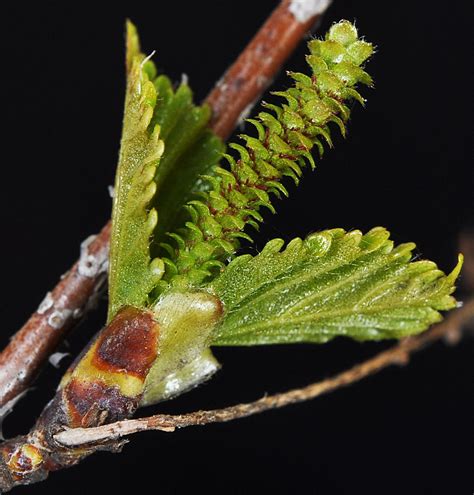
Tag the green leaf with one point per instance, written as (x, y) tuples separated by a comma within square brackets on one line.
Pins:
[(162, 125), (132, 274), (330, 284), (191, 150)]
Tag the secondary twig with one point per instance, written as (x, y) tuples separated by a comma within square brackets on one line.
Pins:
[(451, 327), (246, 79)]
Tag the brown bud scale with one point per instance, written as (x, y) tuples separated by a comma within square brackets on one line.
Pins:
[(104, 385)]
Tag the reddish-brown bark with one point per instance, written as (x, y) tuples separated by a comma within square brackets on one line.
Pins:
[(248, 77), (39, 336)]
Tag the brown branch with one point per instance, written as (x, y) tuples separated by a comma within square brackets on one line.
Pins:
[(247, 78), (36, 340), (450, 329)]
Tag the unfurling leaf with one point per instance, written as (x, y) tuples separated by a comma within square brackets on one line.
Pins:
[(191, 149), (332, 283), (132, 274), (166, 146)]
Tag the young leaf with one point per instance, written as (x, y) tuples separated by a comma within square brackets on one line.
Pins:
[(332, 283), (185, 149), (132, 274), (283, 146), (191, 150)]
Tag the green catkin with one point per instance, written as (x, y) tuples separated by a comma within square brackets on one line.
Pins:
[(286, 136)]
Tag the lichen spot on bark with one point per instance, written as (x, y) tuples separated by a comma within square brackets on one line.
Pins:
[(25, 459)]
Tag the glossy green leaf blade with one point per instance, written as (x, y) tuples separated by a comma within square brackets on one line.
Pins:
[(333, 283), (132, 274)]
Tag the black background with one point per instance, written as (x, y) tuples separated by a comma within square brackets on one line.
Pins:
[(404, 165)]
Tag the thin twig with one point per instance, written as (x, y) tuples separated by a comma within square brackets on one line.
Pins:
[(399, 354), (246, 79), (30, 347)]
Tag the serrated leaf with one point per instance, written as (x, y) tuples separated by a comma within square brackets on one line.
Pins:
[(333, 283), (131, 274), (195, 159), (160, 124), (191, 150)]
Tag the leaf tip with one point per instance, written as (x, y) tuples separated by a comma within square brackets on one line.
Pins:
[(132, 43)]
